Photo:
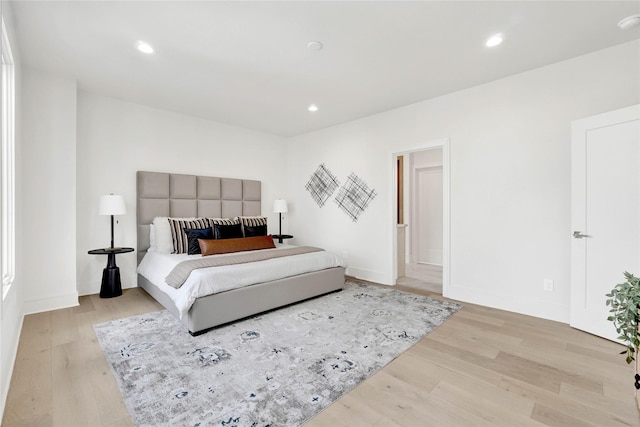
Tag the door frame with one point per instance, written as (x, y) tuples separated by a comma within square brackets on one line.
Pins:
[(444, 144)]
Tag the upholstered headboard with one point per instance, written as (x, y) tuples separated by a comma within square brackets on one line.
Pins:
[(175, 195)]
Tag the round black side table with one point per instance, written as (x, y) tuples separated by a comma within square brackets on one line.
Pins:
[(111, 286), (281, 236)]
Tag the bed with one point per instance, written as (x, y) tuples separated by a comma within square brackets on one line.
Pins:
[(184, 196)]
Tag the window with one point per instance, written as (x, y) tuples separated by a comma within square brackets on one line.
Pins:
[(7, 187)]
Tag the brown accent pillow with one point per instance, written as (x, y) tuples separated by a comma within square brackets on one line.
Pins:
[(225, 246)]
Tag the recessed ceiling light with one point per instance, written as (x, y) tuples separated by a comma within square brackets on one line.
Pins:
[(144, 47), (629, 22), (494, 40), (314, 45), (313, 108)]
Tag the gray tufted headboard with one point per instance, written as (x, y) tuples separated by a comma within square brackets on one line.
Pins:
[(176, 195)]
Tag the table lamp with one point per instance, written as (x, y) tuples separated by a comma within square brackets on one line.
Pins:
[(112, 204), (280, 206)]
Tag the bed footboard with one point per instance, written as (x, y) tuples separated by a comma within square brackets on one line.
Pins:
[(215, 310)]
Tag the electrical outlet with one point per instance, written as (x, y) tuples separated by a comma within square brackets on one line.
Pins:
[(548, 285)]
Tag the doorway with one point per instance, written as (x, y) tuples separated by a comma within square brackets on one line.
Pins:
[(421, 226)]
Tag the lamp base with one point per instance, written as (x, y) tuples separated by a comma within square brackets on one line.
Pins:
[(111, 286)]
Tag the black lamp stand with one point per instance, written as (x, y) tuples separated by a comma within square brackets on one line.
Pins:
[(280, 228), (111, 231)]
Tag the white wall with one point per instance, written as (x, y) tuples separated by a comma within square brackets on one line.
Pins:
[(116, 139), (49, 190), (11, 306), (510, 178)]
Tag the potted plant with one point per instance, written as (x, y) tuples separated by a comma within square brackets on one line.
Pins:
[(624, 301)]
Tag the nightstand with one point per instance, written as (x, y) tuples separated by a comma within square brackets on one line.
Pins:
[(111, 286), (281, 236)]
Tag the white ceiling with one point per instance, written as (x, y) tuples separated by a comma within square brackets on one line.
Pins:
[(247, 64)]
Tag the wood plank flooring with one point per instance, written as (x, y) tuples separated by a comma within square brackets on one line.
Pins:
[(483, 367)]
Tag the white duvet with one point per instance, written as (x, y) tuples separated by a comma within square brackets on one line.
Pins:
[(156, 266)]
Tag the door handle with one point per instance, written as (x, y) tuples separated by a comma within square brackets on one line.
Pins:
[(579, 235)]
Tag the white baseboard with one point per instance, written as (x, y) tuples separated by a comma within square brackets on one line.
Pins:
[(54, 302), (12, 362), (7, 379), (523, 305), (368, 275), (93, 291)]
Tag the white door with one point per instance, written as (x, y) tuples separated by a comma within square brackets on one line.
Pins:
[(428, 219), (605, 179)]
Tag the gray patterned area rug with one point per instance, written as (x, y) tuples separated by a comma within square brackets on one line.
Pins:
[(274, 369)]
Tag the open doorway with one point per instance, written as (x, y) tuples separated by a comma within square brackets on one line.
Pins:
[(421, 178)]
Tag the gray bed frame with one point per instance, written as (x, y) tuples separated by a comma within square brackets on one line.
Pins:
[(178, 195)]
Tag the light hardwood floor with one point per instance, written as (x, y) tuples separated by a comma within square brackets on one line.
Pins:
[(412, 282), (483, 367)]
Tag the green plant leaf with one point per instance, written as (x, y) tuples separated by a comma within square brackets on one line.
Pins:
[(624, 300)]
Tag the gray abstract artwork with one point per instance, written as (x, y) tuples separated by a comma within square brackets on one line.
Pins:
[(321, 185), (354, 196)]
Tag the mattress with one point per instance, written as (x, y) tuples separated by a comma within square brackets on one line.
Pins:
[(156, 266)]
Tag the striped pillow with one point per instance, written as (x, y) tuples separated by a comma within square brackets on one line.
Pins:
[(252, 221), (180, 240), (224, 221)]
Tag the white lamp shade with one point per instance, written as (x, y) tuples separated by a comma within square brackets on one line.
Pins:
[(112, 204), (280, 205)]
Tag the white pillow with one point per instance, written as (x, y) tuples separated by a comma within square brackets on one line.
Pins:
[(164, 241), (162, 231), (152, 239)]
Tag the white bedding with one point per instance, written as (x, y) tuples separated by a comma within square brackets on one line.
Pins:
[(156, 266)]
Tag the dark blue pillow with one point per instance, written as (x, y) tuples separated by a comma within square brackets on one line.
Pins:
[(223, 231), (193, 234), (255, 230)]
